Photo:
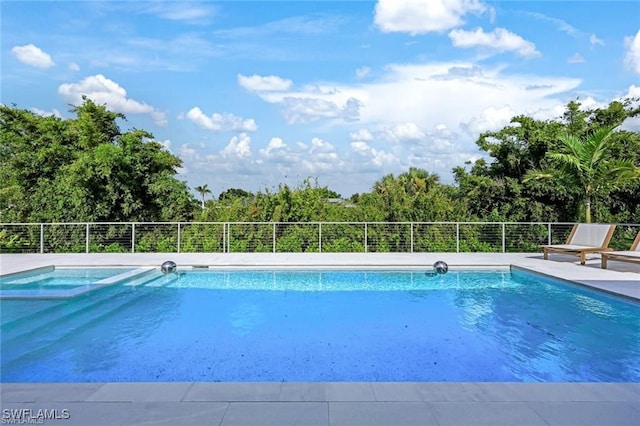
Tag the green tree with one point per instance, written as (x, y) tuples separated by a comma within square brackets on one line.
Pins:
[(203, 190), (85, 169), (588, 164)]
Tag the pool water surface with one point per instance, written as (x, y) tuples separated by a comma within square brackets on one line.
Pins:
[(493, 326)]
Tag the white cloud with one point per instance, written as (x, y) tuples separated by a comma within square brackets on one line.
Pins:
[(257, 83), (576, 58), (361, 135), (238, 147), (101, 90), (377, 158), (429, 93), (221, 122), (43, 113), (499, 40), (594, 40), (426, 115), (275, 145), (632, 123), (308, 109), (32, 55), (400, 132), (633, 92), (362, 72), (424, 16), (73, 66), (491, 119), (632, 58)]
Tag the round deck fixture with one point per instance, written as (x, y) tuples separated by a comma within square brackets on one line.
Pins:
[(168, 267), (440, 267)]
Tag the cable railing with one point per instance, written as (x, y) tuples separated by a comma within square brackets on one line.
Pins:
[(290, 237)]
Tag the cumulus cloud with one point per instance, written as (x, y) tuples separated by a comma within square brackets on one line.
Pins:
[(308, 109), (361, 135), (274, 146), (491, 119), (238, 147), (499, 40), (221, 122), (632, 58), (258, 83), (376, 158), (424, 16), (101, 90), (400, 132), (73, 66), (32, 55)]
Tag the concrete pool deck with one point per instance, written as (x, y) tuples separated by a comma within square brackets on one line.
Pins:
[(360, 403)]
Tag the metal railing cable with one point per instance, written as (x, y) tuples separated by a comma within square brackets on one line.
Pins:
[(290, 237)]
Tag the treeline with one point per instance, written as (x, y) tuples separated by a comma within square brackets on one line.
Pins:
[(86, 169)]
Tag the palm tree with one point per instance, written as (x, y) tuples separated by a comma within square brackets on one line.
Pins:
[(203, 190), (588, 164)]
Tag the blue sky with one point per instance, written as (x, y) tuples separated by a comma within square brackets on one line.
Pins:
[(253, 94)]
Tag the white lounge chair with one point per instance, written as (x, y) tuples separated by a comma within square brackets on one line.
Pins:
[(631, 255), (584, 238)]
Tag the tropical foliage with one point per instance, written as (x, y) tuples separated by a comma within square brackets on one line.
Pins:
[(87, 169)]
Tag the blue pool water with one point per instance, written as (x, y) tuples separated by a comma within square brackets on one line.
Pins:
[(324, 326)]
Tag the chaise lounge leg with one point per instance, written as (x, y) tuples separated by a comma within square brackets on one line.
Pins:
[(604, 262), (583, 258)]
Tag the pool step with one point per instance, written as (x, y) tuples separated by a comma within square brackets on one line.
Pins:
[(38, 306), (66, 326), (22, 327), (71, 304)]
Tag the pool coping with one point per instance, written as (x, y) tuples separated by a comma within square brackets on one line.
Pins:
[(344, 402)]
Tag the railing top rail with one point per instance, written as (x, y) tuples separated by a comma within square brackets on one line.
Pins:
[(299, 223)]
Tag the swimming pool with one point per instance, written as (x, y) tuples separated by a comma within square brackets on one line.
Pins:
[(324, 326)]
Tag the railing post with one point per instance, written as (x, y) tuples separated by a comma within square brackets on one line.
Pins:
[(319, 237), (86, 242), (228, 237), (41, 238), (224, 237), (549, 233), (274, 237), (457, 237), (365, 238), (411, 237), (133, 238), (178, 248), (503, 236)]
